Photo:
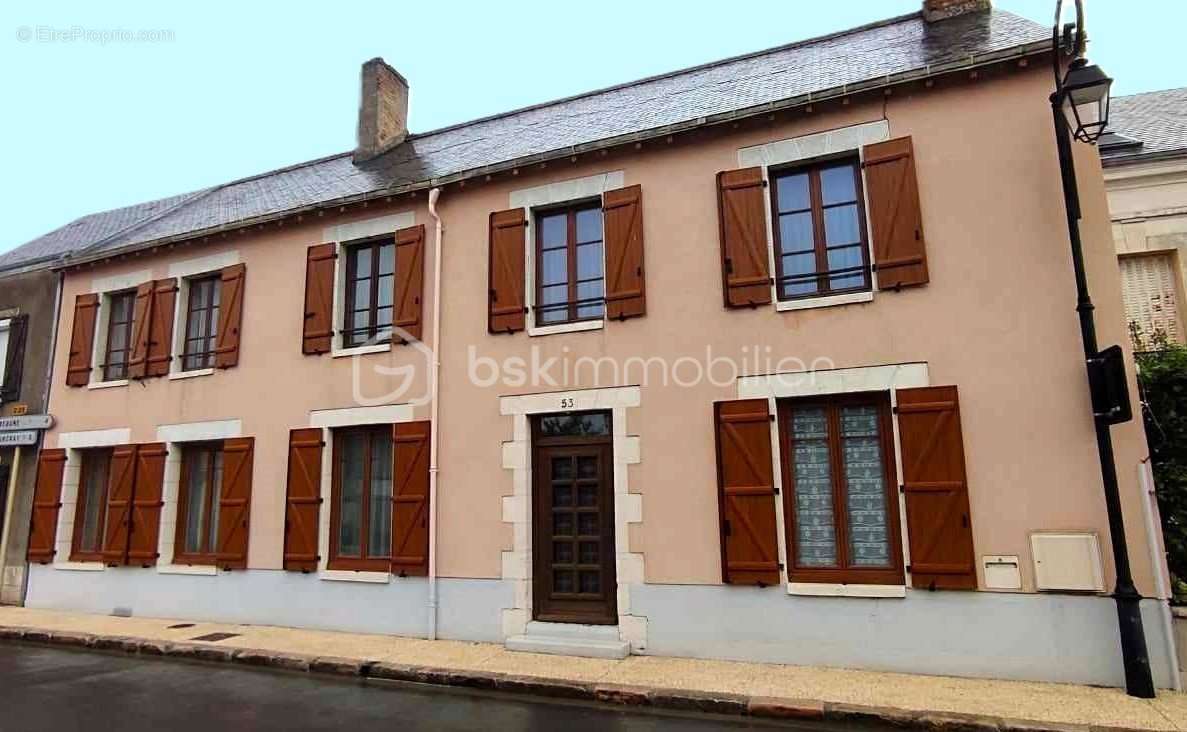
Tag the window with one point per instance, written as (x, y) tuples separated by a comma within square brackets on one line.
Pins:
[(1151, 305), (119, 335), (361, 521), (569, 272), (820, 239), (201, 323), (198, 503), (841, 509), (91, 508), (370, 283)]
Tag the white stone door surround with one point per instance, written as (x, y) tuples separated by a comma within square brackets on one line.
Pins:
[(517, 508)]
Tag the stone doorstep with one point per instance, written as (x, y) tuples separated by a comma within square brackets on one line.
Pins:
[(638, 696)]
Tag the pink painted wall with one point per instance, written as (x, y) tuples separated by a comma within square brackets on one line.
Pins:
[(996, 319)]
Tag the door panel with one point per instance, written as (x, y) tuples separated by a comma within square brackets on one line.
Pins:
[(573, 526)]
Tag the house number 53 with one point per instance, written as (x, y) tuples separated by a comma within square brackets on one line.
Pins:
[(567, 403)]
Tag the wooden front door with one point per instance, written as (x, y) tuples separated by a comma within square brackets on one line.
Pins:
[(573, 520)]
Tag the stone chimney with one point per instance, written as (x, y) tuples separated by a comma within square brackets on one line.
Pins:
[(383, 110), (934, 10)]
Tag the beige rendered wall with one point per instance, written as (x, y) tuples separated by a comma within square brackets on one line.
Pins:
[(997, 320)]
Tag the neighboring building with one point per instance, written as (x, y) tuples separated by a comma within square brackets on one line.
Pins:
[(239, 438), (1145, 164)]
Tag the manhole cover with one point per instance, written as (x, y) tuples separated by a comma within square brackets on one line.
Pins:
[(180, 625), (213, 637)]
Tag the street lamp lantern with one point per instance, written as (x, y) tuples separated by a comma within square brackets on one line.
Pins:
[(1085, 100)]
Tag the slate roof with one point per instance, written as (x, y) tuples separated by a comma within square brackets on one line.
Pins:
[(875, 54), (1141, 126)]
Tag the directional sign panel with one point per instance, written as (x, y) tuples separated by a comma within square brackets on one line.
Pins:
[(28, 422), (14, 439)]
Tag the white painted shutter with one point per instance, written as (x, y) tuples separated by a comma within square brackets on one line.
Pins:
[(1148, 282)]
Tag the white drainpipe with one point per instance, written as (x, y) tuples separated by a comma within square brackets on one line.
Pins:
[(1158, 562), (434, 429)]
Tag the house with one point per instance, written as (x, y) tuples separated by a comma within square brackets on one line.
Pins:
[(770, 359), (1145, 166)]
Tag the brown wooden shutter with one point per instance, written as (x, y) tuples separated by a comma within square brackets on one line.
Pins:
[(505, 272), (938, 524), (303, 500), (82, 340), (319, 299), (47, 500), (900, 258), (410, 277), (622, 212), (121, 484), (234, 503), (14, 361), (742, 215), (746, 493), (146, 504), (141, 329), (410, 499), (230, 316), (160, 331)]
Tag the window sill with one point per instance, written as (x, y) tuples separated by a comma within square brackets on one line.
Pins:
[(346, 575), (80, 566), (175, 375), (577, 327), (809, 303), (360, 350), (202, 570), (825, 589), (107, 384)]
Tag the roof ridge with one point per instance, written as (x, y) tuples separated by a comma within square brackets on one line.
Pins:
[(670, 74)]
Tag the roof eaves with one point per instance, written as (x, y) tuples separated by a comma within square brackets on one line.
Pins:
[(967, 63)]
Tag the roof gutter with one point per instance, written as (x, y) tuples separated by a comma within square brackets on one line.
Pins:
[(969, 63)]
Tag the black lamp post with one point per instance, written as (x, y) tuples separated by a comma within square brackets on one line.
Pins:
[(1080, 107)]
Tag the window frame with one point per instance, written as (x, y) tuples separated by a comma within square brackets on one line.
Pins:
[(5, 343), (812, 168), (82, 499), (570, 209), (371, 332), (193, 284), (363, 562), (110, 326), (843, 573), (210, 555)]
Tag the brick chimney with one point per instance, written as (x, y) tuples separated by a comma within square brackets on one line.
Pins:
[(934, 10), (383, 110)]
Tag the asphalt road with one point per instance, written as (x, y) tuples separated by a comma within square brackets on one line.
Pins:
[(65, 690)]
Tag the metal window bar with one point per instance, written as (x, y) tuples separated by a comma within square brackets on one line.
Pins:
[(810, 276)]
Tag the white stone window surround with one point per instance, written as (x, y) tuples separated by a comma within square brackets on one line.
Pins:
[(887, 378), (175, 436), (185, 271), (105, 287), (628, 507), (551, 194), (73, 443), (343, 235), (327, 420), (4, 327), (804, 149)]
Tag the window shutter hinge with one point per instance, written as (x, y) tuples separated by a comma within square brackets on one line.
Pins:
[(729, 265), (725, 528), (894, 409), (766, 183)]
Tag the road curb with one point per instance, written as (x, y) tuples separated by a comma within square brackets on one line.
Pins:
[(617, 694)]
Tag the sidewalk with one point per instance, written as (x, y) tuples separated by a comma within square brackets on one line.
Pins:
[(720, 686)]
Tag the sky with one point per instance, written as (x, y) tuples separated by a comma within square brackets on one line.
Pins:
[(99, 115)]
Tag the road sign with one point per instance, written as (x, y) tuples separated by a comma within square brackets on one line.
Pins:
[(14, 439), (28, 422)]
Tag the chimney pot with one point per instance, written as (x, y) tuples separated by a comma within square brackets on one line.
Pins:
[(934, 10), (383, 110)]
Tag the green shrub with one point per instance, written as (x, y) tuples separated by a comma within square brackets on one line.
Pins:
[(1162, 377)]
